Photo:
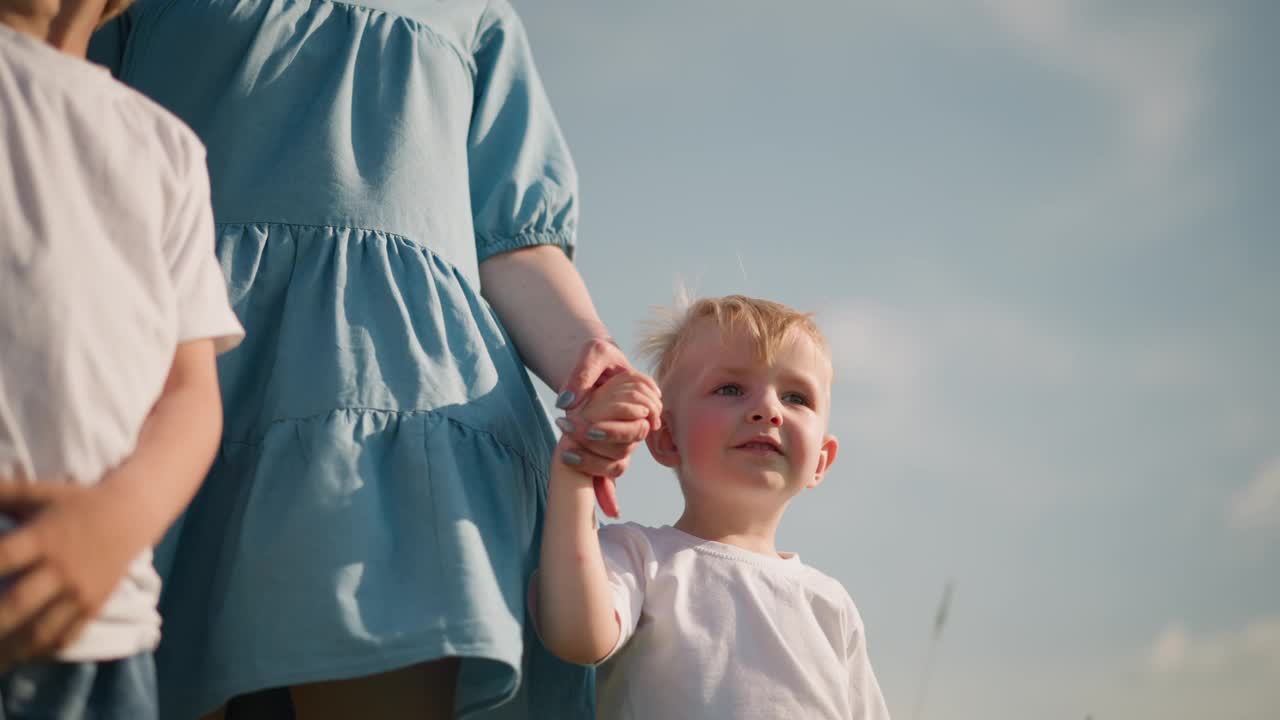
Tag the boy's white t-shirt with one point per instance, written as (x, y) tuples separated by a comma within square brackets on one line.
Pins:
[(710, 630), (106, 264)]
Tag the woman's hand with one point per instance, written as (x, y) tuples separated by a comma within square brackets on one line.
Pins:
[(607, 423), (544, 305)]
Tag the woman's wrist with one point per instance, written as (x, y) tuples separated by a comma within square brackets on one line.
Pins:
[(594, 357)]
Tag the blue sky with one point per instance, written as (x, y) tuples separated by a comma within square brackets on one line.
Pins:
[(1043, 238)]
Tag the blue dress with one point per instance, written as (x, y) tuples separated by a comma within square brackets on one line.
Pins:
[(378, 495)]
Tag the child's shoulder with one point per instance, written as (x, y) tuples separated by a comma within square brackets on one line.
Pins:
[(67, 95), (829, 591), (628, 533), (663, 540), (643, 543)]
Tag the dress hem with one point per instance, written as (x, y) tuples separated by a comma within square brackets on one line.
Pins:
[(348, 668)]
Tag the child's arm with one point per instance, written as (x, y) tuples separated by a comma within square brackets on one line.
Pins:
[(574, 609), (75, 542), (575, 614)]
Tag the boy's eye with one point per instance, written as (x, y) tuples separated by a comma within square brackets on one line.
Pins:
[(730, 389), (795, 398)]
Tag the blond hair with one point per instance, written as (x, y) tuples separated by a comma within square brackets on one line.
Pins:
[(767, 324)]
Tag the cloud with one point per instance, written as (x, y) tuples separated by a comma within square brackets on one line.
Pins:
[(875, 345), (1258, 503), (1152, 68), (906, 377), (1149, 71), (903, 351), (1170, 649), (1176, 650), (994, 391)]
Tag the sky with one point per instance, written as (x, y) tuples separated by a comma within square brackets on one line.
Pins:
[(1042, 237)]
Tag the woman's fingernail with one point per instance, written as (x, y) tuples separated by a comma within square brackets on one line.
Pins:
[(595, 434), (565, 399), (571, 458), (566, 425)]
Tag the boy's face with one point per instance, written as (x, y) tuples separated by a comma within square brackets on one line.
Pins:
[(739, 424)]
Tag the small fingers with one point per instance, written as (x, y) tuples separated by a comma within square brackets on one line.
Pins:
[(624, 410), (29, 593), (53, 627), (628, 402), (654, 402), (19, 549), (21, 608), (606, 495), (618, 432), (633, 427)]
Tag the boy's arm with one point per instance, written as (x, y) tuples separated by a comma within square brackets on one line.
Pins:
[(176, 446), (574, 600), (574, 610), (75, 542)]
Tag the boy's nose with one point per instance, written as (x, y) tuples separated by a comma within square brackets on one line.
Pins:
[(774, 418)]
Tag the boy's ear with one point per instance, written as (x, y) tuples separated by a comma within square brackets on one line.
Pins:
[(826, 457), (662, 444)]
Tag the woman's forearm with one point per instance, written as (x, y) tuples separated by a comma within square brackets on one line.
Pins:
[(544, 306)]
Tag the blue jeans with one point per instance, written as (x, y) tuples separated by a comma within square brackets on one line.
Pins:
[(110, 690)]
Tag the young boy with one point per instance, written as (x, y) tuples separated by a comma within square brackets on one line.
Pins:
[(112, 306), (707, 618)]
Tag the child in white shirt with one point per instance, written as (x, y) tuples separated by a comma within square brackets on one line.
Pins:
[(112, 307), (707, 618)]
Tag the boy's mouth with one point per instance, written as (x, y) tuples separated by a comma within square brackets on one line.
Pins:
[(762, 444)]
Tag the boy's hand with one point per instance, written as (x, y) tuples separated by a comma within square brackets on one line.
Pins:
[(606, 428), (68, 552)]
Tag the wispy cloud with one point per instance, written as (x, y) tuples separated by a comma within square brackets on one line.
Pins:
[(1176, 650), (908, 376), (1258, 503), (901, 351), (1152, 67), (1147, 71), (905, 373)]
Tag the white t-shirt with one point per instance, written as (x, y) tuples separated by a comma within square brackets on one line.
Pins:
[(106, 264), (710, 630)]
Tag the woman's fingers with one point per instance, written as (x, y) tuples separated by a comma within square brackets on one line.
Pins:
[(588, 462), (616, 432)]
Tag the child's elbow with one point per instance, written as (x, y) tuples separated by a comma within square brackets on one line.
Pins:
[(576, 640), (579, 650)]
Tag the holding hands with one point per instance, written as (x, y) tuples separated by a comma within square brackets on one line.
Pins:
[(603, 425)]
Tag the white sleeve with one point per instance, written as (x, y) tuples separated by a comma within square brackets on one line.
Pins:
[(864, 690), (628, 560), (198, 283)]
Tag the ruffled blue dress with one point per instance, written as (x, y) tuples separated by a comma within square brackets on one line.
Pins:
[(378, 495)]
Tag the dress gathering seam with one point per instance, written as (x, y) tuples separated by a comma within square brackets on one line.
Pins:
[(542, 474)]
